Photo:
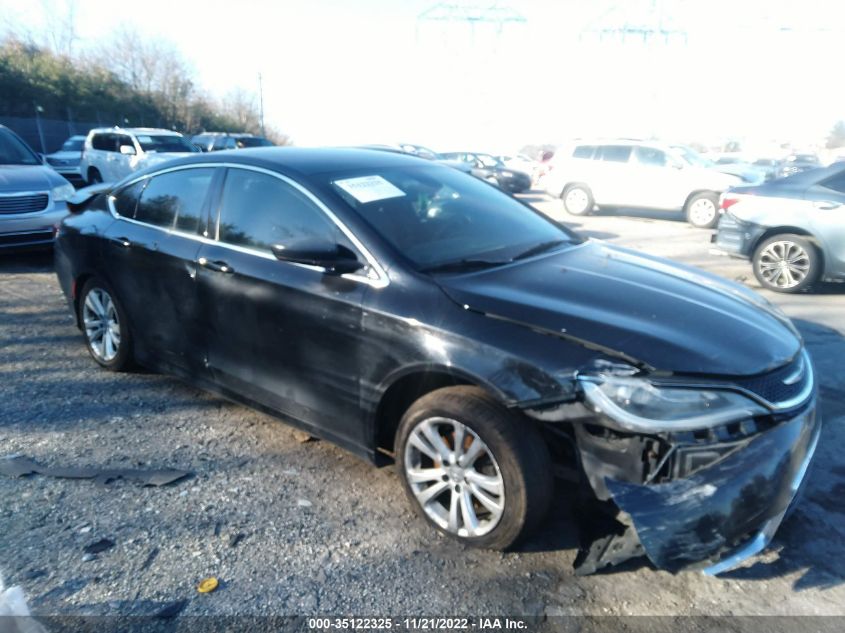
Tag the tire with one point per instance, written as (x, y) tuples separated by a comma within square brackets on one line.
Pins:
[(787, 263), (511, 458), (94, 176), (112, 349), (702, 210), (577, 199)]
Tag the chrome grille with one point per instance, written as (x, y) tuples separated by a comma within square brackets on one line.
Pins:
[(773, 387), (28, 203)]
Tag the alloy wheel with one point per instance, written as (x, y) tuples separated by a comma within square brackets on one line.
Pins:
[(454, 477), (102, 325), (784, 264)]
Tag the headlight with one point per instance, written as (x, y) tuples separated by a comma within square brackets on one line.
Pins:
[(635, 404), (62, 192)]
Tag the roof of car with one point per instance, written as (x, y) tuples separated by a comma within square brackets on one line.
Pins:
[(304, 160), (134, 130)]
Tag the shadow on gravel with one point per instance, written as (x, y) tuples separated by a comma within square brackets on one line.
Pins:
[(35, 261), (644, 214)]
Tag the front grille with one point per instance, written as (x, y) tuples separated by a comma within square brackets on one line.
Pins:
[(772, 388), (23, 204), (29, 238)]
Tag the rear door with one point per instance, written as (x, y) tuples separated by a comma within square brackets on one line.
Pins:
[(608, 175), (285, 335), (656, 180), (827, 219), (152, 253)]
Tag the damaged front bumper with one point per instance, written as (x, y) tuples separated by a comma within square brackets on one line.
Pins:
[(724, 511)]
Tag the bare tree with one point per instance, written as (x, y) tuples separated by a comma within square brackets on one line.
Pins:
[(60, 26)]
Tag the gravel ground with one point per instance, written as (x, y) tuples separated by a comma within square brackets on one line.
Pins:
[(306, 528)]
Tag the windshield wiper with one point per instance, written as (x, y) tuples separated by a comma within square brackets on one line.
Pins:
[(464, 265), (540, 248)]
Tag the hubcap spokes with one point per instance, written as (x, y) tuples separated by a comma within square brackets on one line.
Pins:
[(454, 477), (102, 326), (784, 264)]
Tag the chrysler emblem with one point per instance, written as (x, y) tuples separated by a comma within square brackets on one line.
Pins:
[(795, 376)]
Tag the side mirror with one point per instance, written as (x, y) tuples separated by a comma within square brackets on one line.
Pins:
[(335, 258), (127, 150)]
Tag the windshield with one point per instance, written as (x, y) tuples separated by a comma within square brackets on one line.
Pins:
[(252, 141), (693, 157), (13, 151), (164, 143), (73, 145), (437, 216)]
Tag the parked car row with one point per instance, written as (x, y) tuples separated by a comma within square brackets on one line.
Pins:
[(434, 328), (484, 166)]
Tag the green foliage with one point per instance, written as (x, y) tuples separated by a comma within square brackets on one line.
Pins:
[(33, 76)]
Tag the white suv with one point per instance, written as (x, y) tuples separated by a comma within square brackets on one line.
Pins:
[(643, 174), (112, 153)]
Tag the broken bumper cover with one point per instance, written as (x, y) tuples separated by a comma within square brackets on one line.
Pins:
[(725, 513)]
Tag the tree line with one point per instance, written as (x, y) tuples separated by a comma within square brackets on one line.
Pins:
[(135, 81)]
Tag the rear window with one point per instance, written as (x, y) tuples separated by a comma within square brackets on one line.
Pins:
[(175, 199), (615, 153)]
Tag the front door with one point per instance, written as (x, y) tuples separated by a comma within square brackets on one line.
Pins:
[(283, 334)]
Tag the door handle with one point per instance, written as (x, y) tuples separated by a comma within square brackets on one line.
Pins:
[(826, 205), (217, 265), (121, 241)]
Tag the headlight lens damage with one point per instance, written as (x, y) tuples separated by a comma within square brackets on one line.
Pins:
[(636, 405)]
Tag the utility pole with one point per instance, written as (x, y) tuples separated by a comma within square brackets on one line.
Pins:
[(38, 111), (261, 103)]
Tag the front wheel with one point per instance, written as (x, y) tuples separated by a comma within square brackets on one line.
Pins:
[(702, 210), (473, 470), (787, 263), (94, 176), (105, 326)]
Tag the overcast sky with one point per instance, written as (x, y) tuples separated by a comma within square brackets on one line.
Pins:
[(372, 71)]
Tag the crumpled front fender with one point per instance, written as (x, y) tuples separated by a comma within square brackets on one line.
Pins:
[(688, 522)]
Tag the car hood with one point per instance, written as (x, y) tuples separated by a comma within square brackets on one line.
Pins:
[(644, 309), (15, 178), (748, 174), (66, 155)]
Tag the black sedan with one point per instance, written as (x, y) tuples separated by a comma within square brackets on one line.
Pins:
[(409, 312), (493, 170)]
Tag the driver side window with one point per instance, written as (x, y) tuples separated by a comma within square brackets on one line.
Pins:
[(258, 211)]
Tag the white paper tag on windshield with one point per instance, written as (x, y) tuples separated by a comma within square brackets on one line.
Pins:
[(369, 188), (145, 139)]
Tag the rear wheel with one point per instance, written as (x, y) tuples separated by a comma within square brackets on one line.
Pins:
[(702, 210), (787, 263), (104, 326), (471, 469), (577, 199)]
